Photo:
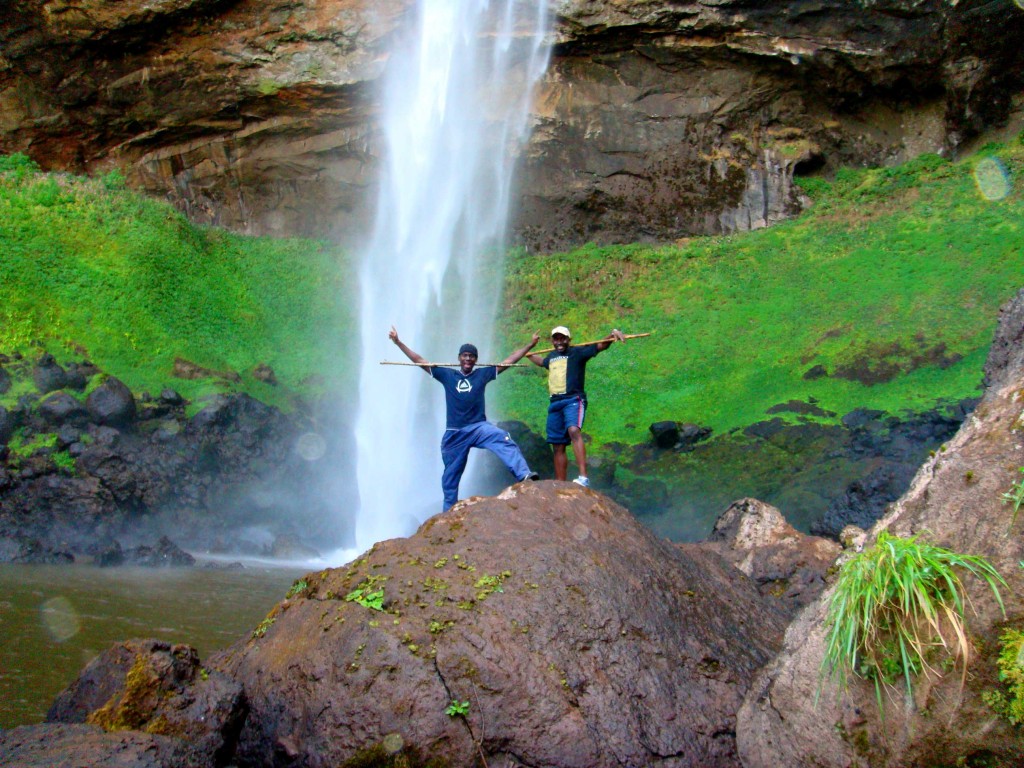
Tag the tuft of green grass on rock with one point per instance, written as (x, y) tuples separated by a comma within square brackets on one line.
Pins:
[(896, 605)]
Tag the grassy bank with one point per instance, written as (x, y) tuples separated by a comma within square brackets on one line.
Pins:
[(92, 269), (883, 295)]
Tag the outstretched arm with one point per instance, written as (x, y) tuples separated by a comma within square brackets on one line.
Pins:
[(615, 335), (519, 354), (414, 356)]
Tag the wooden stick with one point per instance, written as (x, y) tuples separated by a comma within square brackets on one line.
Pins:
[(459, 365), (588, 343)]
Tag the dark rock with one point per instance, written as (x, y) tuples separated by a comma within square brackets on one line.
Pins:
[(171, 397), (150, 411), (165, 554), (150, 685), (691, 434), (7, 425), (77, 376), (815, 372), (112, 404), (35, 552), (68, 435), (60, 408), (765, 429), (863, 418), (587, 642), (111, 556), (800, 407), (105, 436), (70, 746), (665, 433), (47, 375), (194, 480), (5, 381)]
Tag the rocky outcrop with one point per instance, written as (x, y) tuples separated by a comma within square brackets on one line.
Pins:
[(157, 688), (956, 501), (541, 627), (655, 121), (109, 478), (783, 562)]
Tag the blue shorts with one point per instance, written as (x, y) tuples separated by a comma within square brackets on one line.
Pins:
[(562, 414)]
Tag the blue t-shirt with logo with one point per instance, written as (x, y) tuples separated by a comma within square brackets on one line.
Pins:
[(464, 395)]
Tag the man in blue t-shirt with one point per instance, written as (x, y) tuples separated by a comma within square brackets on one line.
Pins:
[(567, 373), (466, 423)]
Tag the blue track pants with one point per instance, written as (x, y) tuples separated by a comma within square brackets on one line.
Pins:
[(455, 447)]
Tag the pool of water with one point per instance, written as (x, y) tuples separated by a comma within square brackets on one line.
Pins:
[(55, 619)]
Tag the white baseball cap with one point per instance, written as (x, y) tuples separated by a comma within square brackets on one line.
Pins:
[(562, 330)]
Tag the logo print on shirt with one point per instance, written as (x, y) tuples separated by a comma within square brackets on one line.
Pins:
[(464, 386)]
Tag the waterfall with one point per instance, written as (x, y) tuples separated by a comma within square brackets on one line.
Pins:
[(457, 95)]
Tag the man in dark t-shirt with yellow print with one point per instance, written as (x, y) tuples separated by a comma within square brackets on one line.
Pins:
[(567, 373)]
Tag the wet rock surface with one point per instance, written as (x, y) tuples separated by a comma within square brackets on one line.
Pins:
[(70, 746), (954, 501), (576, 637)]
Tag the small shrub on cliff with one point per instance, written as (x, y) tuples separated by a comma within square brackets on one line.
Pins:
[(896, 605), (1010, 703)]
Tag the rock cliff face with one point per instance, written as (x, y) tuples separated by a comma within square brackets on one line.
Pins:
[(955, 501), (656, 120)]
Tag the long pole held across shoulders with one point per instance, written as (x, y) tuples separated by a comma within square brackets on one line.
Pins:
[(514, 365), (588, 343), (457, 365)]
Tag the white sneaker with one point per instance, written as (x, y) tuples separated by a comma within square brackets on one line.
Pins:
[(582, 480)]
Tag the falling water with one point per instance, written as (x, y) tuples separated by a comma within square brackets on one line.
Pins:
[(455, 113)]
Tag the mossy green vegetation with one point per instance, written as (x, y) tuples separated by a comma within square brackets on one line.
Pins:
[(91, 268), (1009, 700), (883, 295)]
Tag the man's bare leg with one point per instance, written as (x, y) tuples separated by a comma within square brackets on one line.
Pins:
[(579, 450), (561, 462)]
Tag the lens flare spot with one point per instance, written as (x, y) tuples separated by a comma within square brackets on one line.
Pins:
[(60, 619), (311, 446), (393, 743), (580, 532), (992, 178)]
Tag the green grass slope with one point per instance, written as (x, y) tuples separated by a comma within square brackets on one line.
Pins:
[(90, 268), (889, 286)]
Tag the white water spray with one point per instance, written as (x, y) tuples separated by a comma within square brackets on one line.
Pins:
[(456, 105)]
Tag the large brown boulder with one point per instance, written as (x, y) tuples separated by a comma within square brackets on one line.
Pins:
[(576, 637), (956, 502)]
